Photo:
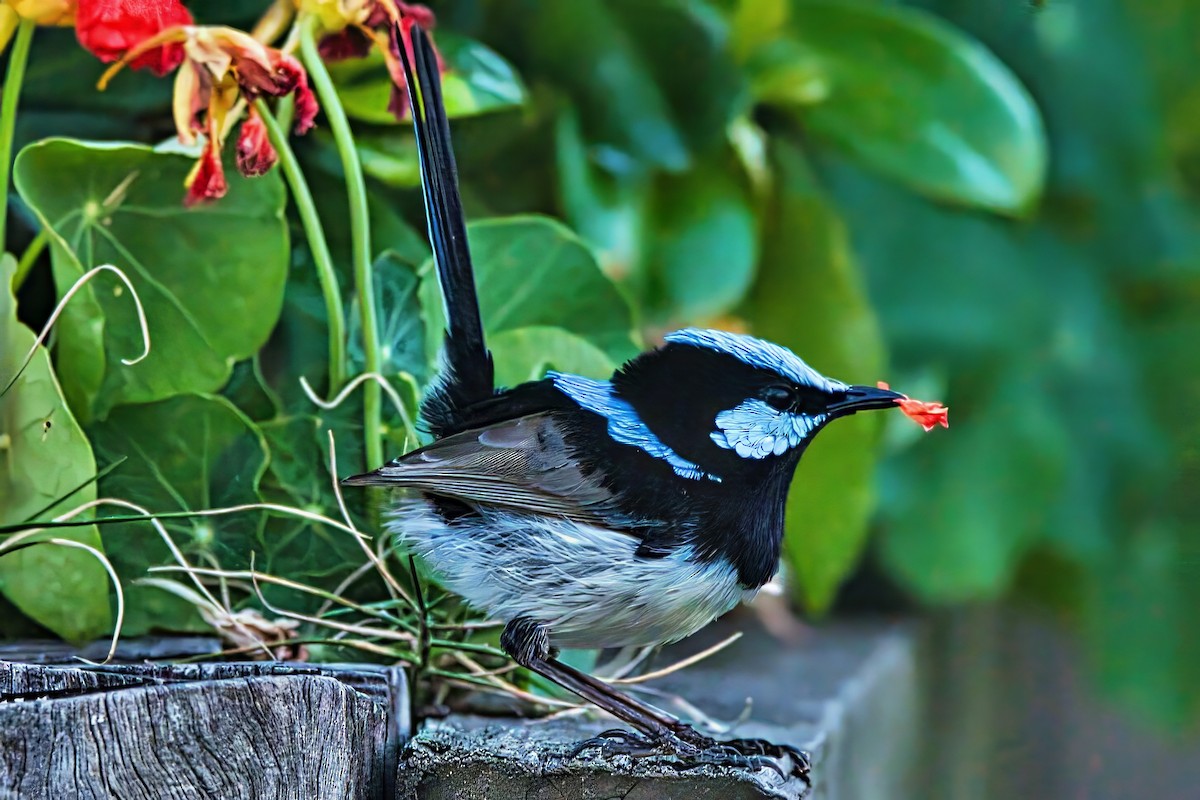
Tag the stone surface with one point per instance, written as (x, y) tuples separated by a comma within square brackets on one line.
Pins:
[(848, 694)]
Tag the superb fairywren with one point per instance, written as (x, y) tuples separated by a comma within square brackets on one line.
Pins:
[(601, 513)]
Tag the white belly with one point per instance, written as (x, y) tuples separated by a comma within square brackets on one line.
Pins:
[(583, 582)]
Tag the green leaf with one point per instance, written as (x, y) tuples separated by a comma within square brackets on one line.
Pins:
[(525, 354), (44, 456), (708, 94), (610, 212), (585, 47), (965, 507), (390, 156), (211, 278), (477, 81), (807, 274), (186, 453), (533, 271), (401, 322), (706, 243), (912, 97)]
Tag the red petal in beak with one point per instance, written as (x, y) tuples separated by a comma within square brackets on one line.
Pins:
[(927, 415)]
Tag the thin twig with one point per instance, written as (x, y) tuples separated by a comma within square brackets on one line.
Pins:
[(13, 545), (62, 304), (395, 589), (681, 664)]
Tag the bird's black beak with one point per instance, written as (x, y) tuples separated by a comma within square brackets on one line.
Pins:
[(864, 398)]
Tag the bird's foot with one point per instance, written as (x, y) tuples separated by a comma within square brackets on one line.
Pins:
[(619, 741), (694, 750)]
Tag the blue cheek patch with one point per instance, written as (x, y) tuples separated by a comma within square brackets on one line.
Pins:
[(624, 424), (756, 430)]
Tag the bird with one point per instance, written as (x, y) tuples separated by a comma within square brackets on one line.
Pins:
[(592, 513)]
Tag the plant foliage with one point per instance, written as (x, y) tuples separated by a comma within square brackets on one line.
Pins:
[(983, 201)]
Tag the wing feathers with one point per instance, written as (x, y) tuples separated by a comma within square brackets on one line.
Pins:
[(522, 464)]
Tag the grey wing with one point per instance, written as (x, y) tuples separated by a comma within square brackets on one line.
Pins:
[(524, 464)]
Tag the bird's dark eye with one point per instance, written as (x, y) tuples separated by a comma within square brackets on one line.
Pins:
[(780, 398)]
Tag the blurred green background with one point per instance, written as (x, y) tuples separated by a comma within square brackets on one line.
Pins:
[(993, 203)]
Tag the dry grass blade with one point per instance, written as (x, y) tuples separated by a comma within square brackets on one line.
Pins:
[(14, 544), (265, 577), (62, 304), (681, 664), (380, 565), (394, 636), (176, 553), (388, 389)]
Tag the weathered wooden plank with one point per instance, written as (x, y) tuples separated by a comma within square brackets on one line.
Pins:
[(194, 731)]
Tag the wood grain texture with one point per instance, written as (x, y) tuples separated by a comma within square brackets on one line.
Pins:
[(87, 734)]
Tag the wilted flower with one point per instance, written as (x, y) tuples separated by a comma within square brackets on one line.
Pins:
[(112, 28), (255, 155), (206, 181), (355, 25), (219, 66)]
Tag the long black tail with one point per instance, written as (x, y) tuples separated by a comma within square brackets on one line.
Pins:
[(467, 373)]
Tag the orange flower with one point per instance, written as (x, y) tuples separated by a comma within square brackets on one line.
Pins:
[(927, 415), (219, 66)]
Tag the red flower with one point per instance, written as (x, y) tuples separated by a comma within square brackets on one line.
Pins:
[(110, 28), (927, 415), (207, 179), (255, 155), (220, 67)]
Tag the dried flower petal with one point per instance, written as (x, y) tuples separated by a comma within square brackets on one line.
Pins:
[(927, 415), (110, 28), (255, 154), (306, 101), (421, 15), (345, 44), (207, 179)]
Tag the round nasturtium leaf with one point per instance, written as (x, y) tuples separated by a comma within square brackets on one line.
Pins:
[(46, 468), (476, 81), (531, 270), (211, 277)]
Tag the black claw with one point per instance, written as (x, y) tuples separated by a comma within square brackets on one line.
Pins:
[(692, 750), (618, 741)]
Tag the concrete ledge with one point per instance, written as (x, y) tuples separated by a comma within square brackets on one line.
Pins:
[(848, 695)]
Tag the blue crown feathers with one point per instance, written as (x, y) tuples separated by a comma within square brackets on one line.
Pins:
[(757, 353)]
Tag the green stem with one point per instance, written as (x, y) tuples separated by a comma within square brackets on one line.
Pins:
[(30, 257), (285, 111), (316, 243), (8, 113), (360, 234)]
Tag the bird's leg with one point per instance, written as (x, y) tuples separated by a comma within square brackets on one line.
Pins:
[(528, 643)]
